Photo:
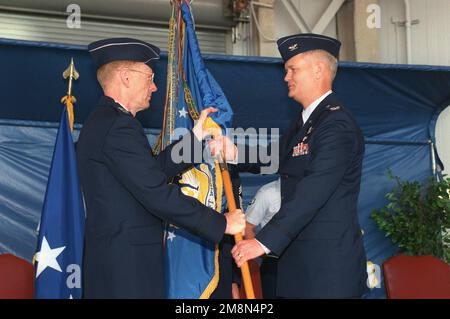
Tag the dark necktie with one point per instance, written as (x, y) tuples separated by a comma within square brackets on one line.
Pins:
[(300, 122)]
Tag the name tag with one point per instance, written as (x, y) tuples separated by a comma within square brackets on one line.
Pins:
[(300, 149)]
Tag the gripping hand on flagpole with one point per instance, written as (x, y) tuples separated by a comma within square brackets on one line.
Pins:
[(223, 145), (235, 222), (201, 130)]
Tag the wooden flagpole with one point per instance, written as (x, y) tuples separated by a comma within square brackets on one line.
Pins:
[(238, 237)]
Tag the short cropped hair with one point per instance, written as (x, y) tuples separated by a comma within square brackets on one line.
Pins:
[(104, 73), (327, 58)]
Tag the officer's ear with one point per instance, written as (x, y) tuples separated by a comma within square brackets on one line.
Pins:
[(318, 68), (124, 76)]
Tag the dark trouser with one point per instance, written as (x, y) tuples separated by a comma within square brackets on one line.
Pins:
[(228, 271), (268, 271)]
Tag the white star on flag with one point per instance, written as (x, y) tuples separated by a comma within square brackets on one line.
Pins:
[(182, 112), (47, 257), (171, 235)]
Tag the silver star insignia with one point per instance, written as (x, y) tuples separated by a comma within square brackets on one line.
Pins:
[(182, 112)]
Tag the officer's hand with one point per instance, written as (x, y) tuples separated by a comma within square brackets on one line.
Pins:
[(198, 129), (223, 144), (246, 250), (235, 222)]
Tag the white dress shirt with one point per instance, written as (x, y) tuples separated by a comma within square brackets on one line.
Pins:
[(308, 111)]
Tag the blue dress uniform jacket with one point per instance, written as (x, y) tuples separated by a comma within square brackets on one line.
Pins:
[(316, 232), (127, 198)]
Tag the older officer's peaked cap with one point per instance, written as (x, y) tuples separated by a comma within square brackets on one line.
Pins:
[(115, 49), (298, 43)]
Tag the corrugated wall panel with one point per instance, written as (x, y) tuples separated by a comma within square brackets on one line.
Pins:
[(430, 38), (419, 33), (434, 19), (37, 28), (392, 38)]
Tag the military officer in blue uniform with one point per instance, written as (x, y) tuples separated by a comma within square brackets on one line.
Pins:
[(316, 232), (126, 188)]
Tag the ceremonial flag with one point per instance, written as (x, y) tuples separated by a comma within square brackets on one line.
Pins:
[(192, 268), (58, 260)]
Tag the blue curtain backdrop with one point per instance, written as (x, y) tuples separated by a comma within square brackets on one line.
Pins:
[(396, 107)]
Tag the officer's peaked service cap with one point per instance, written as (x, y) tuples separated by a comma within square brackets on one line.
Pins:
[(298, 43), (115, 49)]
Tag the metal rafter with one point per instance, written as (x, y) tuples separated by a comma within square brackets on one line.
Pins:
[(323, 22), (327, 16)]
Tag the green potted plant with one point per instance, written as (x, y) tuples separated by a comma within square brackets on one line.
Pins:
[(417, 217)]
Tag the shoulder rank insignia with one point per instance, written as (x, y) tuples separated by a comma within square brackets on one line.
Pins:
[(334, 108)]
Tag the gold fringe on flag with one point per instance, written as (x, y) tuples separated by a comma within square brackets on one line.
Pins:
[(69, 100)]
